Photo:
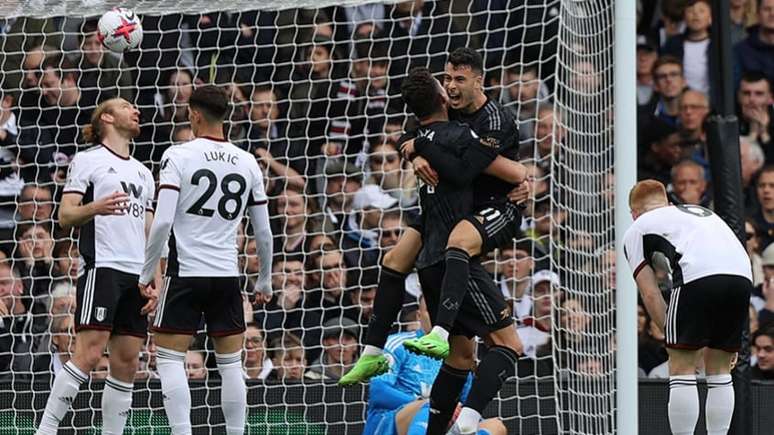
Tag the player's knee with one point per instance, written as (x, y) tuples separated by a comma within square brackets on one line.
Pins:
[(393, 261), (506, 337), (124, 369), (87, 358), (465, 237), (461, 359), (494, 426)]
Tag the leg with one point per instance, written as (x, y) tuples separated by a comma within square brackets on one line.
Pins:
[(449, 383), (117, 395), (89, 346), (720, 391), (170, 363), (683, 395), (405, 417), (389, 300), (233, 395), (493, 426)]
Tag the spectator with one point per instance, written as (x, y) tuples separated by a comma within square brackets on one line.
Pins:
[(250, 265), (664, 150), (647, 54), (194, 364), (549, 136), (694, 109), (329, 281), (11, 182), (102, 368), (256, 364), (547, 220), (694, 48), (743, 15), (35, 205), (671, 23), (392, 174), (62, 299), (342, 180), (360, 239), (35, 249), (390, 230), (63, 342), (102, 76), (651, 352), (524, 95), (764, 217), (514, 272), (752, 160), (67, 260), (15, 324), (340, 349), (238, 126), (288, 359), (756, 52), (668, 85), (752, 245), (689, 185), (292, 210), (535, 331), (172, 104), (763, 342), (755, 101), (364, 281)]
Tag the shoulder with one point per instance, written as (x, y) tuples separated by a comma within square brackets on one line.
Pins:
[(91, 153)]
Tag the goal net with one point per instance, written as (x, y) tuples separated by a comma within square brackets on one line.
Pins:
[(315, 90)]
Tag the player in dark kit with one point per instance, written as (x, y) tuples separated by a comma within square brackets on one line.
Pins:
[(482, 311), (495, 224)]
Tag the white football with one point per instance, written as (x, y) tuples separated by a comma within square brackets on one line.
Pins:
[(120, 30)]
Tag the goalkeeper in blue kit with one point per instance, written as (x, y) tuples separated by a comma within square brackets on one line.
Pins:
[(397, 403)]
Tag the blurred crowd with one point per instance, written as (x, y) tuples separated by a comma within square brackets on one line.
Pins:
[(315, 96)]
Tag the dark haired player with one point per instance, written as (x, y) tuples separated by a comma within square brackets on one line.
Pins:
[(483, 311), (205, 186), (496, 222)]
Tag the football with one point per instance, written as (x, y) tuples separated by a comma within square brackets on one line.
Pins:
[(120, 30)]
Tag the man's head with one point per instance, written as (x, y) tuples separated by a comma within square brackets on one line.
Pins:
[(63, 334), (114, 115), (263, 109), (63, 299), (463, 79), (288, 279), (255, 346), (291, 207), (33, 60), (694, 108), (763, 341), (766, 15), (330, 272), (698, 16), (545, 290), (688, 182), (102, 369), (59, 82), (765, 189), (364, 282), (35, 242), (91, 46), (664, 142), (647, 195), (35, 203), (547, 129), (342, 180), (207, 108), (194, 364), (340, 340), (752, 157), (423, 94), (11, 287), (288, 357), (390, 229), (517, 262), (755, 94), (523, 83), (668, 78), (371, 204)]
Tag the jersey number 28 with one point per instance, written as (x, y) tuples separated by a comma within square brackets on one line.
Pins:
[(228, 195)]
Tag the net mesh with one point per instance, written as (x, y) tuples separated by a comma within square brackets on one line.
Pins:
[(316, 98)]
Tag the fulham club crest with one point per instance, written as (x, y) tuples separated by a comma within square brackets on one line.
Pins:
[(99, 313)]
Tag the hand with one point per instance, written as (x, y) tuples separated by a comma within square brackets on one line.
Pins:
[(149, 292), (263, 154), (263, 291), (114, 204), (424, 171), (4, 311), (331, 149), (760, 116), (521, 193), (407, 149)]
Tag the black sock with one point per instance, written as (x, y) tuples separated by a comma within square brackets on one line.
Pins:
[(387, 304), (455, 284), (497, 365), (443, 398)]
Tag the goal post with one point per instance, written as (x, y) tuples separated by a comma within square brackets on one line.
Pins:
[(563, 68)]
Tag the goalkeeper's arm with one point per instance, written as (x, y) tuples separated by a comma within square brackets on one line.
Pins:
[(259, 216)]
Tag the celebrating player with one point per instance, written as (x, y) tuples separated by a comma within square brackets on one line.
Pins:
[(204, 188), (495, 223), (708, 306), (109, 195), (397, 400)]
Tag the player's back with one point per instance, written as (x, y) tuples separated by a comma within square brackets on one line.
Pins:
[(695, 240), (216, 181)]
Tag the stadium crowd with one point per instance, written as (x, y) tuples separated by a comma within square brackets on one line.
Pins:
[(318, 105)]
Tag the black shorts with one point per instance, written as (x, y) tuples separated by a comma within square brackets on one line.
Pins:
[(497, 224), (708, 312), (183, 301), (110, 300), (483, 310)]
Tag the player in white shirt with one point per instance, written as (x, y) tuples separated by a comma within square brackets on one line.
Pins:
[(712, 281), (205, 185), (109, 195)]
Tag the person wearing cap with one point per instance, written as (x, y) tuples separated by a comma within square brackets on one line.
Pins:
[(536, 330), (647, 53), (340, 349), (360, 239)]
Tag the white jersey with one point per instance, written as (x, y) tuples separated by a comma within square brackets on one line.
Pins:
[(216, 181), (695, 241), (117, 242)]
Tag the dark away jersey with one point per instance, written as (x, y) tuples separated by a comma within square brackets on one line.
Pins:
[(498, 130), (445, 204)]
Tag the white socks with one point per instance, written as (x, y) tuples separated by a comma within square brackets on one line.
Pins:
[(66, 385), (468, 420), (233, 392), (174, 386), (371, 350), (683, 404), (116, 402), (441, 332), (720, 404)]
